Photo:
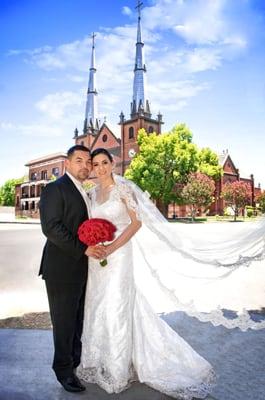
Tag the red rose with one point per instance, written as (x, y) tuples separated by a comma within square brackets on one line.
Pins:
[(96, 230)]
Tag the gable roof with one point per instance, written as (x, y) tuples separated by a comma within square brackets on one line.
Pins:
[(46, 158), (225, 159), (104, 125)]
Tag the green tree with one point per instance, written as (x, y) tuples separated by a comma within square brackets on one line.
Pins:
[(198, 192), (163, 163), (237, 195), (208, 163), (7, 192), (260, 200)]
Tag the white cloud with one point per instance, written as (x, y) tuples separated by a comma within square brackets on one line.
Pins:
[(174, 96), (126, 10), (35, 130), (202, 59), (56, 105), (197, 22), (76, 78)]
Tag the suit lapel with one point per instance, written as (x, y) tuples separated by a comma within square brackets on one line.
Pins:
[(68, 181)]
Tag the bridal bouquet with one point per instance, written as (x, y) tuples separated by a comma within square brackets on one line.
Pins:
[(96, 230)]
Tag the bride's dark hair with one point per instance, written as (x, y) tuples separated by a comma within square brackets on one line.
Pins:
[(101, 150)]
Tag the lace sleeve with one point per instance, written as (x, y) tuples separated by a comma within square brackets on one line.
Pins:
[(126, 193)]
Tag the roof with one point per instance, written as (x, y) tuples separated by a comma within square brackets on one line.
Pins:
[(46, 158), (222, 158)]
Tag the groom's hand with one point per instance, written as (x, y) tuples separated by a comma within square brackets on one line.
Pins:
[(97, 252)]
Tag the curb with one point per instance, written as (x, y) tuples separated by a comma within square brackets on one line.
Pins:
[(21, 222)]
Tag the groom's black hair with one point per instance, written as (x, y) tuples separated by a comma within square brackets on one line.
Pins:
[(77, 147), (101, 150)]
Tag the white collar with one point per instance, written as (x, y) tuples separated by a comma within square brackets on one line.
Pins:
[(75, 181)]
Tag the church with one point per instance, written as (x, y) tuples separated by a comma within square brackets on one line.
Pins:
[(96, 134)]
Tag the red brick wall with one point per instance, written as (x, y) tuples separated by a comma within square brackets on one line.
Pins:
[(105, 139), (42, 167), (131, 143)]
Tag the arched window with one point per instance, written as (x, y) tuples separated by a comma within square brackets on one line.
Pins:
[(131, 132), (105, 138), (150, 129)]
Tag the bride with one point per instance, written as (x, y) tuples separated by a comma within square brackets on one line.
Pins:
[(149, 265)]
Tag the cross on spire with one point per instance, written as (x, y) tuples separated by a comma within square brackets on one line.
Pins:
[(139, 6)]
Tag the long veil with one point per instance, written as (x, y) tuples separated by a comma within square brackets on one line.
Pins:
[(214, 274)]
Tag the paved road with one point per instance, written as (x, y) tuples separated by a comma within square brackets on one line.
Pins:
[(21, 290)]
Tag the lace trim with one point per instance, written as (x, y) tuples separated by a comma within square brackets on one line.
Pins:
[(216, 317), (125, 192), (199, 391), (102, 377)]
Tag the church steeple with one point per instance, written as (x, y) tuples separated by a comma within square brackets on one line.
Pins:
[(141, 117), (91, 123), (139, 104)]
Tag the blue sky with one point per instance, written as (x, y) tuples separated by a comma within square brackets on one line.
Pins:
[(205, 64)]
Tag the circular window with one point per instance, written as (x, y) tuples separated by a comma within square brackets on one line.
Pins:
[(105, 138)]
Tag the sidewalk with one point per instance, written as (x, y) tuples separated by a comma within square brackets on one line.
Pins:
[(26, 374), (238, 358), (10, 219)]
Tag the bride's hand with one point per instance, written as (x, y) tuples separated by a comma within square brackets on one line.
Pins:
[(97, 252), (109, 249)]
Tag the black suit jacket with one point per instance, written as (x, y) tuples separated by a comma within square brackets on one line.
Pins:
[(62, 210)]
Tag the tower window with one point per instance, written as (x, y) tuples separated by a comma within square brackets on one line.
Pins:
[(150, 129), (105, 138), (131, 132)]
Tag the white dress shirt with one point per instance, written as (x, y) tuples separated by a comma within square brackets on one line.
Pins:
[(82, 191)]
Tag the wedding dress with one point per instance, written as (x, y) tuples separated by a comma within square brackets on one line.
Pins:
[(123, 338), (164, 268)]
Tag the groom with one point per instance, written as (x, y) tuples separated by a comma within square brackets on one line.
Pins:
[(63, 207)]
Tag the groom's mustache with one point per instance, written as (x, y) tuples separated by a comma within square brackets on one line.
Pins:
[(84, 170)]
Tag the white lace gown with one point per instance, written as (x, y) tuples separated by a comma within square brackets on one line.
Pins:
[(123, 339)]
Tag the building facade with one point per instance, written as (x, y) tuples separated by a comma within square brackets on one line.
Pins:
[(230, 174), (41, 171)]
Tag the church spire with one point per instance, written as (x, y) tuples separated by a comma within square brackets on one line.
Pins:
[(91, 123), (139, 105)]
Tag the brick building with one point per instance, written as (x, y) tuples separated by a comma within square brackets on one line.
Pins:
[(41, 171), (230, 174)]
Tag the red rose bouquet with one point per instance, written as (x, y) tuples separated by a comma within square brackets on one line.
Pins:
[(96, 230)]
